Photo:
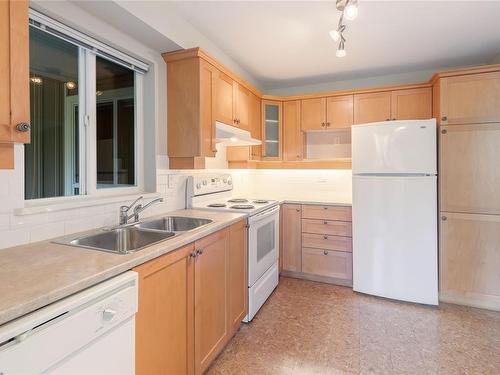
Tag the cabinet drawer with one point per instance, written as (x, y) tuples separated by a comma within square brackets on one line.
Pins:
[(328, 242), (336, 228), (326, 212), (329, 263)]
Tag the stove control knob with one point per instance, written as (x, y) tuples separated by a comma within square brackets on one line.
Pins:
[(205, 182), (229, 182), (225, 180), (198, 186)]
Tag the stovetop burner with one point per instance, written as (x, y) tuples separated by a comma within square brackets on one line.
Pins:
[(217, 205), (238, 200), (243, 206), (260, 201)]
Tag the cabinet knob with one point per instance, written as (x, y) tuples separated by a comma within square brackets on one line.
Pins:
[(444, 118), (325, 237), (387, 119), (199, 251), (325, 222), (327, 124), (444, 218), (325, 208), (298, 210), (444, 131), (393, 119), (193, 254), (325, 252), (23, 127)]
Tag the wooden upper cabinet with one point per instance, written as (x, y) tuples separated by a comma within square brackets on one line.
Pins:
[(14, 73), (208, 76), (292, 237), (412, 104), (339, 111), (255, 119), (372, 107), (224, 101), (241, 107), (293, 138), (211, 298), (470, 99), (164, 321), (468, 168), (272, 132), (313, 114), (238, 284)]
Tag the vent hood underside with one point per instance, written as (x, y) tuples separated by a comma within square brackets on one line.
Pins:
[(233, 136)]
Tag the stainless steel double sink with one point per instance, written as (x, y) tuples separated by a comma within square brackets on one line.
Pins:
[(133, 237)]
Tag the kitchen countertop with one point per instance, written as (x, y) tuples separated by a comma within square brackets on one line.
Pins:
[(336, 199), (37, 274)]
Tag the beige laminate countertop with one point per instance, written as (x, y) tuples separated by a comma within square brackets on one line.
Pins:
[(37, 274), (334, 199)]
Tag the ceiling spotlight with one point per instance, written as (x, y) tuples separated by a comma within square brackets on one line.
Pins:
[(341, 50), (70, 85), (36, 80), (351, 10)]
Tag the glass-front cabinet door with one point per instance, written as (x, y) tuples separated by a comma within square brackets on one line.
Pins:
[(272, 130)]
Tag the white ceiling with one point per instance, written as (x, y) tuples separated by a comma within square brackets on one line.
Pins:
[(286, 43)]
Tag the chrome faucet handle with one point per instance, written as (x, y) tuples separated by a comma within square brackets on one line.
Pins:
[(127, 208)]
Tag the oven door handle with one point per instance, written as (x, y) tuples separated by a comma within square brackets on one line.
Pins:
[(264, 214)]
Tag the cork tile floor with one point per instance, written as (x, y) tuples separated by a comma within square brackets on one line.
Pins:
[(313, 328)]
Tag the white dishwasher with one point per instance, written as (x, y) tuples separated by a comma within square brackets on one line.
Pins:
[(90, 332)]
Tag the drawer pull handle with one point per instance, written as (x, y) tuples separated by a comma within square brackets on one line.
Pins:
[(325, 208), (325, 252), (325, 222), (325, 237)]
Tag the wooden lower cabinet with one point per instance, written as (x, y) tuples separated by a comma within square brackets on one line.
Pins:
[(191, 302), (238, 275), (292, 244), (317, 242), (164, 321), (335, 264), (470, 259)]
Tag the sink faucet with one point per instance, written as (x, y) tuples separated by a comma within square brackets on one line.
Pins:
[(125, 217)]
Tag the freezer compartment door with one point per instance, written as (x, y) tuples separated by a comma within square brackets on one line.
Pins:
[(395, 237), (394, 147)]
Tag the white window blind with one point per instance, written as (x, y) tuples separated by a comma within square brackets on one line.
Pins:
[(70, 35)]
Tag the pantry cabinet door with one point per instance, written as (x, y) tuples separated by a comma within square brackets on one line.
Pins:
[(238, 284), (241, 107), (412, 104), (339, 112), (313, 114), (469, 258), (470, 99), (165, 321), (292, 237), (224, 100), (293, 138), (372, 107), (211, 298), (469, 156)]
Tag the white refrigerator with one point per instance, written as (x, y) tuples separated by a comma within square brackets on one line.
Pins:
[(394, 210)]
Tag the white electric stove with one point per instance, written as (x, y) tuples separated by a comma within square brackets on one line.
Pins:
[(215, 192)]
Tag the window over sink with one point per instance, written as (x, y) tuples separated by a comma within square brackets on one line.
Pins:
[(86, 115)]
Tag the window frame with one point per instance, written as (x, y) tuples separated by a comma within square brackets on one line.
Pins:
[(87, 125)]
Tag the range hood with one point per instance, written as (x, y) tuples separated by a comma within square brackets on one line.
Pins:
[(233, 136)]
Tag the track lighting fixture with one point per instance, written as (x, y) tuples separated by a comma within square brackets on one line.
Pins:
[(349, 9)]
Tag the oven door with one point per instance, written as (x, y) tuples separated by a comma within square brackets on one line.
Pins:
[(263, 243)]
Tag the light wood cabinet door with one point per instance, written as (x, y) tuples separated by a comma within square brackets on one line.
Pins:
[(292, 241), (470, 99), (241, 107), (293, 138), (469, 157), (238, 284), (208, 79), (320, 212), (325, 241), (211, 298), (470, 258), (255, 119), (164, 321), (372, 107), (14, 72), (313, 114), (272, 130), (336, 228), (224, 99), (412, 104), (339, 112)]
